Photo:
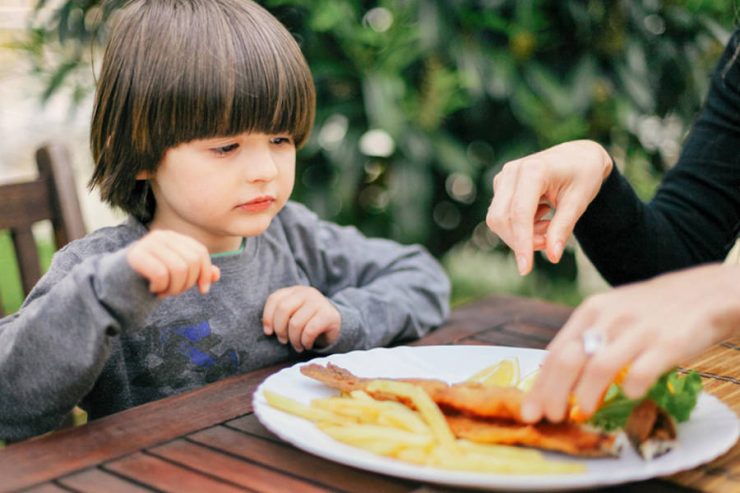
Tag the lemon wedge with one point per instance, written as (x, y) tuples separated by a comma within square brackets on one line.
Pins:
[(504, 373), (526, 383)]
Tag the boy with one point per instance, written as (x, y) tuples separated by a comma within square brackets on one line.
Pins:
[(199, 109)]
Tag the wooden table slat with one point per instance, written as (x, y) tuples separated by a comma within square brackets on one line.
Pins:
[(480, 316), (507, 339), (241, 472), (718, 361), (166, 476), (250, 424), (46, 488), (294, 462), (36, 461), (95, 480)]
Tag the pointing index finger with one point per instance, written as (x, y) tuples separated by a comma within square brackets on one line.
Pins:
[(529, 189)]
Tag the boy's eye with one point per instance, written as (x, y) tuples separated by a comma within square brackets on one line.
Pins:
[(281, 140), (225, 149)]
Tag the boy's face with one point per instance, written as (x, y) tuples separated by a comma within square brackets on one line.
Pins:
[(221, 189)]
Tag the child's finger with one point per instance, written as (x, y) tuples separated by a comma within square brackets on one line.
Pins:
[(298, 322), (284, 311), (164, 256), (317, 325), (178, 272), (205, 275), (268, 313), (156, 244), (193, 255), (151, 268)]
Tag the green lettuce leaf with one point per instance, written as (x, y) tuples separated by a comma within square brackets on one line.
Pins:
[(676, 393)]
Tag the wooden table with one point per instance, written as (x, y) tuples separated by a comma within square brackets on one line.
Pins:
[(208, 440)]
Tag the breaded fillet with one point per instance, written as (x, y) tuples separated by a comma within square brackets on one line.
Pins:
[(470, 398), (568, 438)]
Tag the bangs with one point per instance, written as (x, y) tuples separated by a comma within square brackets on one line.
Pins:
[(222, 70), (180, 70)]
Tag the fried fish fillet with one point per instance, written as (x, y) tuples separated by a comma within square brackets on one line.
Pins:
[(469, 398), (483, 414), (568, 438)]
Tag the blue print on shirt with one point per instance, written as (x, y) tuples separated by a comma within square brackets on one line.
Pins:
[(188, 341), (181, 355)]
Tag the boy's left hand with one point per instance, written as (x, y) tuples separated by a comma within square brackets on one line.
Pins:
[(302, 316)]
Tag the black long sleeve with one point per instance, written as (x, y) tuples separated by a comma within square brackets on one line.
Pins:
[(695, 214)]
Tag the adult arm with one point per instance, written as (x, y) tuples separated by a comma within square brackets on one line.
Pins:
[(695, 214)]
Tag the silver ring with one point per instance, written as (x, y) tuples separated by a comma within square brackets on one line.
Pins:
[(593, 341)]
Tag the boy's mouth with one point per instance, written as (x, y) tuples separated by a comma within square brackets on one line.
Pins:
[(257, 204)]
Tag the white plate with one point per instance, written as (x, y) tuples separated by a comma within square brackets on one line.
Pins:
[(712, 429)]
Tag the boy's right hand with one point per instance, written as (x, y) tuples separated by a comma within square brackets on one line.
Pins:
[(172, 263)]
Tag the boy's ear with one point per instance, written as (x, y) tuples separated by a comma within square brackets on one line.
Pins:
[(143, 175)]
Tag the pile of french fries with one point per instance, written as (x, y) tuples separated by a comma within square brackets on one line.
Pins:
[(417, 434)]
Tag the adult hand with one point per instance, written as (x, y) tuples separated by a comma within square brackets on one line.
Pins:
[(172, 263), (302, 316), (648, 327), (565, 178)]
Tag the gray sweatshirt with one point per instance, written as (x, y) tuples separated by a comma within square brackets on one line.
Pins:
[(91, 334)]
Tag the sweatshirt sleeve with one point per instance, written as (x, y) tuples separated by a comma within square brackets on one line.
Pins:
[(53, 349), (384, 291), (695, 214)]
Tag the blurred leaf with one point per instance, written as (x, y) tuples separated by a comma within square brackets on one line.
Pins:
[(58, 78), (549, 89)]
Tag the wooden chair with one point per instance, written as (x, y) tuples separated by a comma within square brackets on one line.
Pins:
[(52, 196)]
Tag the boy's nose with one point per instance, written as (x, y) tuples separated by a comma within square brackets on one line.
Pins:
[(260, 166)]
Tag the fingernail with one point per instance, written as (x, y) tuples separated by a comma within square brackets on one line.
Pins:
[(521, 262), (557, 250)]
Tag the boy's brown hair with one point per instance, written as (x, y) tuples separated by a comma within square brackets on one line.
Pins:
[(179, 70)]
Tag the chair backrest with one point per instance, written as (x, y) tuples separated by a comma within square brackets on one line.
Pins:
[(52, 196)]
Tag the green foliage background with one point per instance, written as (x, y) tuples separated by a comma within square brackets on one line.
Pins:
[(459, 87)]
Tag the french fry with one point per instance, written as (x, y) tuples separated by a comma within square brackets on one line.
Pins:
[(423, 403), (414, 455), (476, 462), (507, 451), (387, 413), (362, 433), (362, 411), (403, 418), (294, 407), (361, 395)]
